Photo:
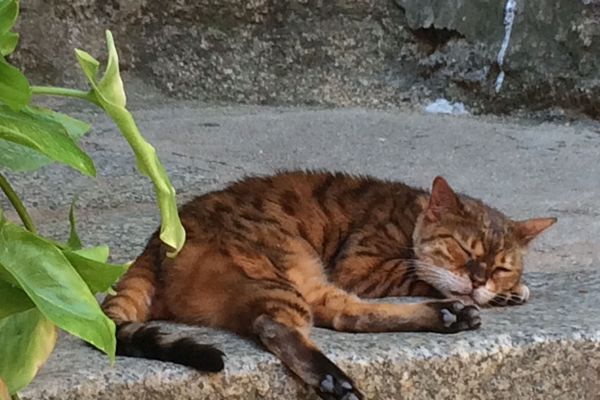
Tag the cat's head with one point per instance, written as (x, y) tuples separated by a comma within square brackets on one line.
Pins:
[(465, 248)]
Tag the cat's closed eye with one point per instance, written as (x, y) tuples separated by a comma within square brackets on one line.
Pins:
[(463, 247)]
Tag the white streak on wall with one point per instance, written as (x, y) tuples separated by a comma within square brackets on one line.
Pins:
[(509, 18)]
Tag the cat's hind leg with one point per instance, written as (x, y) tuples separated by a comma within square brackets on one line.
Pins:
[(239, 289), (339, 310), (293, 346), (281, 319)]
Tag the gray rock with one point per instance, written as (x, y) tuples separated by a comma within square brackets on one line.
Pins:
[(550, 59), (342, 52)]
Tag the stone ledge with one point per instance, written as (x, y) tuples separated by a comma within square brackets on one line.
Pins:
[(344, 52), (547, 349)]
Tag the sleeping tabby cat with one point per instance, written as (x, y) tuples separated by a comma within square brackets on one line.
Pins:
[(269, 257)]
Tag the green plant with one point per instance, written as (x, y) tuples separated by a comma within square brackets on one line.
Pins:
[(45, 284)]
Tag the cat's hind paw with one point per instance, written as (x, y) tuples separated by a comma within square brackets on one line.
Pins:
[(337, 388)]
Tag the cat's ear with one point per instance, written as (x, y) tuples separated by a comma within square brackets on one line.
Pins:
[(443, 199), (529, 229)]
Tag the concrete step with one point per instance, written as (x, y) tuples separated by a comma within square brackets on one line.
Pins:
[(546, 349)]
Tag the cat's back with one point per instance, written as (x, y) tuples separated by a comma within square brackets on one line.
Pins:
[(298, 195), (299, 181), (290, 188)]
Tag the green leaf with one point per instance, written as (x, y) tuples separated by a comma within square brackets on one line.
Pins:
[(7, 277), (74, 242), (9, 10), (98, 253), (14, 87), (13, 300), (75, 128), (42, 135), (55, 287), (98, 275), (8, 43), (111, 97), (21, 158), (26, 341)]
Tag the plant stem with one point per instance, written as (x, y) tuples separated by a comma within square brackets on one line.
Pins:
[(15, 397), (64, 92), (17, 204)]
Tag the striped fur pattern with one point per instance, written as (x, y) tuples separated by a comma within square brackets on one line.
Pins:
[(270, 257)]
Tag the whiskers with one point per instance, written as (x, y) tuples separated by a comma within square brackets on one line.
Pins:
[(442, 279), (484, 296)]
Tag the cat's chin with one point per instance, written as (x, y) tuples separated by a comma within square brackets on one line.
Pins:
[(482, 296)]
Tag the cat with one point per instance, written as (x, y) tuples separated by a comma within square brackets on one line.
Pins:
[(270, 257)]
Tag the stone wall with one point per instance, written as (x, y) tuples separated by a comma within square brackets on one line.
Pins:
[(330, 52)]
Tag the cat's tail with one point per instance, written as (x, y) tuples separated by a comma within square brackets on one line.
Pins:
[(130, 309)]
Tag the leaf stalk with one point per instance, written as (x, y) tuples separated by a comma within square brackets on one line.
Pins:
[(65, 92), (17, 204)]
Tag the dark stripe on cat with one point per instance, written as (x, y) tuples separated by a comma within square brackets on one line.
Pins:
[(283, 303)]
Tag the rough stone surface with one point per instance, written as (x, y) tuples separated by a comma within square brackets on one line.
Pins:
[(547, 349), (338, 52), (551, 58)]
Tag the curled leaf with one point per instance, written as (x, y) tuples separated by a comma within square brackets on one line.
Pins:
[(110, 95), (111, 84), (88, 64)]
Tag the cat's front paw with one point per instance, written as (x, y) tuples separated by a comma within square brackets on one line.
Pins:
[(519, 296), (511, 299), (454, 316)]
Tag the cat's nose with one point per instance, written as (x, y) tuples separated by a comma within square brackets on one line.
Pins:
[(476, 273)]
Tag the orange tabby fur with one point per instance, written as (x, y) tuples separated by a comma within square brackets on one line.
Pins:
[(270, 257)]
